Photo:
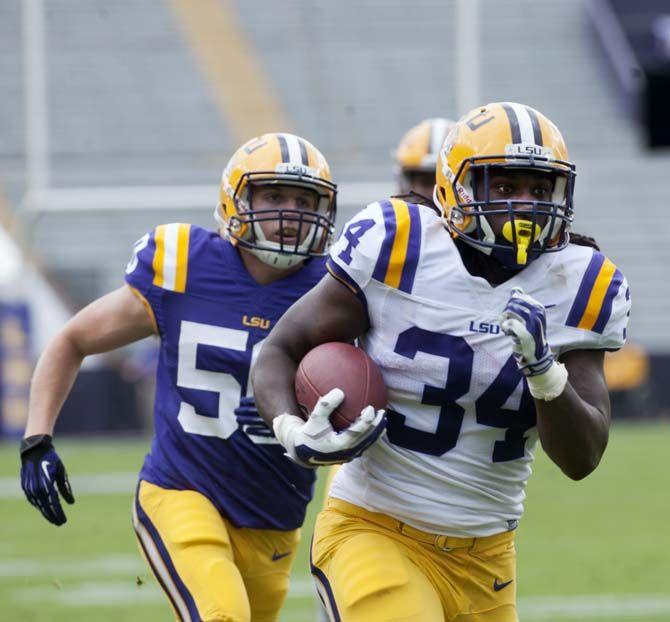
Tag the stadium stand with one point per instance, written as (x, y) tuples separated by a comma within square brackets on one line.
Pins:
[(131, 103)]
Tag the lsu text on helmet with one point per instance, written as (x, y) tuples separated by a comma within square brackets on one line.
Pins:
[(284, 160), (505, 136), (418, 149)]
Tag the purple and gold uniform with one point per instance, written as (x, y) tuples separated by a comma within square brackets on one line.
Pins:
[(214, 469)]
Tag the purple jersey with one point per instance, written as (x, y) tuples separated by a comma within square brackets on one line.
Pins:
[(212, 318)]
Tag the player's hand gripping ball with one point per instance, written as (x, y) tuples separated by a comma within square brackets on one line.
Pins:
[(342, 366), (342, 396)]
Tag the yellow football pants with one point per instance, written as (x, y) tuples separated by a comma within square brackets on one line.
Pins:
[(210, 570), (370, 567)]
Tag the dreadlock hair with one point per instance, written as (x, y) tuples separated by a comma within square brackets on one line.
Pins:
[(583, 240)]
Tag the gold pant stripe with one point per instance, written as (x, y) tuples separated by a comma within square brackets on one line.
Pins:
[(159, 568)]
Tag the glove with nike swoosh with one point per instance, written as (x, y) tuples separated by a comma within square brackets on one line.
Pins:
[(43, 476), (525, 321), (315, 442)]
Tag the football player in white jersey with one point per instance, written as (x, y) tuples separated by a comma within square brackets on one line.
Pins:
[(490, 330)]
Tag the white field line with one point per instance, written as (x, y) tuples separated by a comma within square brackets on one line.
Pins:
[(98, 484), (108, 565), (116, 593)]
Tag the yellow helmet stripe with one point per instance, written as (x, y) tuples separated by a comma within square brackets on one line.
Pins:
[(171, 257)]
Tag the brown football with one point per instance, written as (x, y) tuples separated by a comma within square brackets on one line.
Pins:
[(346, 367)]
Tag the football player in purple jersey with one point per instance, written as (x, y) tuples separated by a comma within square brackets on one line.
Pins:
[(218, 505)]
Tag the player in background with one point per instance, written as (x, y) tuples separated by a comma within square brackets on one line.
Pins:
[(218, 506), (416, 158), (490, 331)]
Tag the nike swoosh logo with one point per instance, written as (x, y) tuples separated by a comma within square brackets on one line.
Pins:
[(45, 464), (549, 306), (499, 586), (277, 556)]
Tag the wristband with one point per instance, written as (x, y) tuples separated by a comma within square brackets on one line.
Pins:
[(36, 440), (550, 384)]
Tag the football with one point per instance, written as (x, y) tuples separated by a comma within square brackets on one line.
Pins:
[(344, 366)]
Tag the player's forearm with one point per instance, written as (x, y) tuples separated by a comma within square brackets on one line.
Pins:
[(573, 433), (52, 381), (272, 378)]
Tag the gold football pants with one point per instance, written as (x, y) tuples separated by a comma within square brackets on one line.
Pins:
[(370, 567), (210, 570)]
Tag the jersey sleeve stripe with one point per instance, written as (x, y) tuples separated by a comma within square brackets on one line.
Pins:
[(381, 267), (400, 243), (413, 250), (159, 255), (610, 295), (597, 297), (182, 257), (171, 258), (584, 291)]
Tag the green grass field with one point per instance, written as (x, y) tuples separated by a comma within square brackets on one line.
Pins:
[(592, 550)]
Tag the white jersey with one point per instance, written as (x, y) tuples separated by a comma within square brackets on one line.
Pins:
[(461, 420)]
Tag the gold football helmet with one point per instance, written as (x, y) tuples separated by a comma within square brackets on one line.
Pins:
[(505, 136), (417, 151), (277, 159)]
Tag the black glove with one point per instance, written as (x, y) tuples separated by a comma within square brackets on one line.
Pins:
[(41, 472)]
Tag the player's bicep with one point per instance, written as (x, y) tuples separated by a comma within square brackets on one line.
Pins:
[(112, 321), (587, 377), (328, 312)]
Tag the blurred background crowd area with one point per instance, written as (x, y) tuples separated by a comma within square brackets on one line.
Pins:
[(118, 116)]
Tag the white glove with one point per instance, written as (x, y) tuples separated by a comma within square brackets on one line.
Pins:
[(314, 442), (525, 321)]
